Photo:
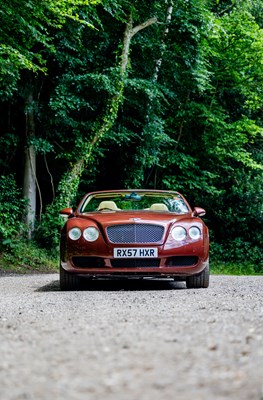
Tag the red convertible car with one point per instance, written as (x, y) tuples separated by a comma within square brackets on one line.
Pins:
[(134, 233)]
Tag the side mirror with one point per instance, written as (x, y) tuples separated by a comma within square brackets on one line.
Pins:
[(66, 212), (199, 212)]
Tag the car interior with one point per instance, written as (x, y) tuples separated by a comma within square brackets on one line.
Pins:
[(111, 205)]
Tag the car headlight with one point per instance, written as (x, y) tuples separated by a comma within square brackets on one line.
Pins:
[(74, 233), (194, 233), (91, 234), (179, 233)]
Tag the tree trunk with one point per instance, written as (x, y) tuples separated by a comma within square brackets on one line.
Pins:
[(166, 31), (29, 184), (144, 150)]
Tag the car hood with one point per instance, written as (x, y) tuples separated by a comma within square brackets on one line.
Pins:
[(116, 218)]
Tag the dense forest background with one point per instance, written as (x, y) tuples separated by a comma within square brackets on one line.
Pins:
[(132, 94)]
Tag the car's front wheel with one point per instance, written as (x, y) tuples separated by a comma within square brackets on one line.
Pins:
[(199, 281), (68, 281)]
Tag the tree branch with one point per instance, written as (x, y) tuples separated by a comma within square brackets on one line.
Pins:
[(138, 28)]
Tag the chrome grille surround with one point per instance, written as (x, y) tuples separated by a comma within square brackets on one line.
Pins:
[(135, 233)]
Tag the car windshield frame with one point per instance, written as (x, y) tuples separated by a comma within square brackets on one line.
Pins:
[(134, 201)]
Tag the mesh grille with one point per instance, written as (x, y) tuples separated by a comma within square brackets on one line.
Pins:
[(135, 233), (135, 263), (182, 261)]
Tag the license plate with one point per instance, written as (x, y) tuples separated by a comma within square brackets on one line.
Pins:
[(135, 252)]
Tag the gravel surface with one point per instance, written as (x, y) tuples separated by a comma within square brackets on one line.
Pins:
[(136, 340)]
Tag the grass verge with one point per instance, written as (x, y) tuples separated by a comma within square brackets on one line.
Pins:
[(28, 258), (223, 268)]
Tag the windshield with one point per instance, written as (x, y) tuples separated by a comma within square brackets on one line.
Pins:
[(135, 201)]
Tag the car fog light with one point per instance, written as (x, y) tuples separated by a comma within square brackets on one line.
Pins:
[(91, 234), (194, 233), (74, 233), (179, 233)]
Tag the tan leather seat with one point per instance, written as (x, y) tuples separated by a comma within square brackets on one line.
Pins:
[(158, 207), (107, 205)]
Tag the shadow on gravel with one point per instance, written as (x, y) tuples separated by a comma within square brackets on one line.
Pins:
[(118, 285)]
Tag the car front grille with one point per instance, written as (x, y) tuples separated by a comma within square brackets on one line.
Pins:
[(135, 263), (135, 233)]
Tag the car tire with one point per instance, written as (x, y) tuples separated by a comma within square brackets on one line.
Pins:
[(68, 281), (199, 281)]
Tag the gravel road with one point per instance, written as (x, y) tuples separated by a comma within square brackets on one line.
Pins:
[(136, 340)]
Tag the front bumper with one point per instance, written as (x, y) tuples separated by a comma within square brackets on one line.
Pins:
[(166, 267)]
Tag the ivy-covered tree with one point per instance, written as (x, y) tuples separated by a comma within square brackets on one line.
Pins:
[(112, 83)]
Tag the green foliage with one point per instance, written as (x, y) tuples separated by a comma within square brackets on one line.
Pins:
[(236, 258), (11, 210), (27, 31), (28, 257)]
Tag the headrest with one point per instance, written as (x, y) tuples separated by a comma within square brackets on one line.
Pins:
[(158, 207), (107, 205)]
